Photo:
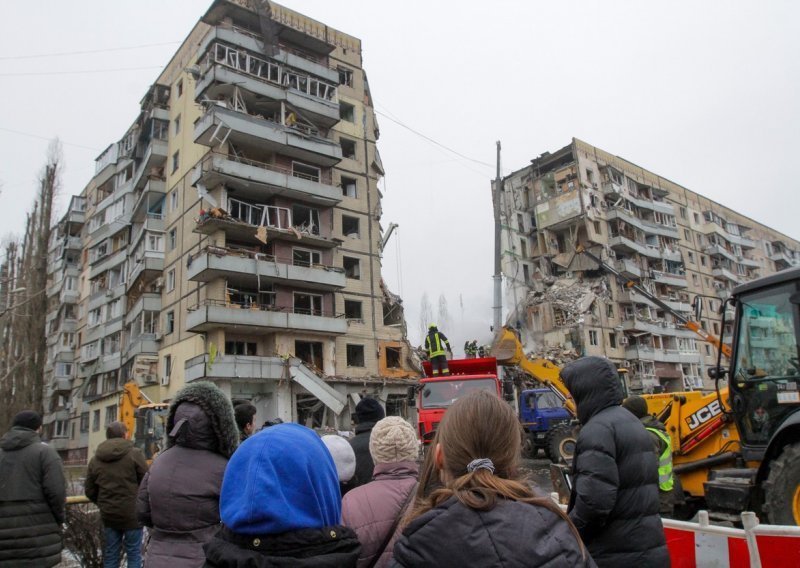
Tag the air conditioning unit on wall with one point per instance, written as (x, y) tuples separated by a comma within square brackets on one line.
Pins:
[(149, 379)]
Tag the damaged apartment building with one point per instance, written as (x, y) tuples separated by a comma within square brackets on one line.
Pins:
[(674, 242), (233, 235)]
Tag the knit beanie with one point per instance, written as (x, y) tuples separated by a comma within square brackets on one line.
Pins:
[(636, 405), (343, 456), (29, 419), (393, 440), (279, 480), (369, 410)]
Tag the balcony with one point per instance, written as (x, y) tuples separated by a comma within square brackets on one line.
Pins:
[(631, 246), (147, 302), (217, 314), (726, 274), (62, 384), (110, 229), (612, 188), (155, 156), (714, 227), (658, 206), (144, 343), (670, 279), (628, 267), (259, 181), (107, 262), (641, 224), (245, 232), (72, 243), (218, 123), (151, 195), (639, 352), (783, 259), (153, 222), (242, 268), (69, 296), (149, 265), (235, 367), (656, 327), (224, 67)]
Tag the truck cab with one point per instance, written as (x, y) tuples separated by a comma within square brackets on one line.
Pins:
[(539, 411), (436, 394)]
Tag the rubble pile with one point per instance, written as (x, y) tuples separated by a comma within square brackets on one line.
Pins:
[(557, 354), (570, 299)]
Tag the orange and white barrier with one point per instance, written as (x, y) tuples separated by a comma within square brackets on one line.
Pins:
[(704, 545)]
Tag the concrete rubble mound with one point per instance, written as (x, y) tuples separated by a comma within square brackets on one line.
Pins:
[(572, 298)]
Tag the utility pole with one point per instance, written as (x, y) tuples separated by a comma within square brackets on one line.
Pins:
[(497, 307)]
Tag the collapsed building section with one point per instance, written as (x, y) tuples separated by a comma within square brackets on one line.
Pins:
[(675, 243)]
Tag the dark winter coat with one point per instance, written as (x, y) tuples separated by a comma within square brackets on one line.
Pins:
[(364, 463), (330, 547), (511, 534), (179, 497), (372, 509), (614, 501), (112, 482), (33, 494)]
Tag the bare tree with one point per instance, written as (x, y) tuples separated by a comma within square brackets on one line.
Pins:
[(23, 302), (444, 314)]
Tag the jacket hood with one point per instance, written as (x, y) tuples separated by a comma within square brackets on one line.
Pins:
[(364, 427), (18, 438), (201, 417), (396, 469), (594, 385), (653, 422), (288, 467), (113, 449)]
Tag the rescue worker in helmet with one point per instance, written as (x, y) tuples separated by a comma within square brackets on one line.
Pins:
[(435, 344)]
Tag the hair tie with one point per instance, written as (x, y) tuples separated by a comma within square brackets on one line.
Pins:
[(480, 463)]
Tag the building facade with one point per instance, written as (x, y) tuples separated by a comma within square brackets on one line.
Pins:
[(233, 235), (676, 243)]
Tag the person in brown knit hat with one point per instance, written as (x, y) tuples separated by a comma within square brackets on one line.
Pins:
[(373, 510)]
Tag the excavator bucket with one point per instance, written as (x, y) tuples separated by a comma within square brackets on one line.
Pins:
[(505, 346)]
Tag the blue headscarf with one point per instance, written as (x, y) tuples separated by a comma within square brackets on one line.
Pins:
[(281, 479)]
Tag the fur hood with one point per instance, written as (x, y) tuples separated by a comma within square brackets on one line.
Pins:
[(218, 411)]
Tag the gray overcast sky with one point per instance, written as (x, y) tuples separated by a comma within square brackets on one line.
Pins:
[(703, 93)]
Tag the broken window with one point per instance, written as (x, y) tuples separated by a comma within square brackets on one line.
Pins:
[(304, 171), (345, 76), (352, 267), (523, 248), (350, 226), (309, 304), (170, 324), (559, 318), (395, 404), (597, 228), (352, 310), (159, 129), (355, 355), (593, 337), (347, 112), (526, 273), (310, 352), (179, 89), (305, 257), (612, 340), (176, 161), (348, 148), (305, 219), (392, 358), (610, 311), (348, 187)]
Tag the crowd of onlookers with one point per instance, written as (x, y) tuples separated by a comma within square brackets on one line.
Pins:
[(222, 494)]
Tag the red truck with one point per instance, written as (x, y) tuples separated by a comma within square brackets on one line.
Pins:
[(435, 394)]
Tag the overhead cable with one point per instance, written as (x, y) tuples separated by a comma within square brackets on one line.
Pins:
[(105, 50), (26, 74)]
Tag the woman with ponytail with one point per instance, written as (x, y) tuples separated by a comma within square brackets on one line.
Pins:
[(472, 509)]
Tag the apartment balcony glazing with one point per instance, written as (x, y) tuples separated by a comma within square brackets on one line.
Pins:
[(111, 228), (147, 302), (152, 164), (244, 268), (630, 246), (725, 274), (150, 199), (219, 314), (235, 367), (106, 164), (638, 352), (655, 328), (107, 262), (246, 218), (219, 124), (645, 226), (149, 264), (783, 259), (259, 181), (714, 227), (657, 206), (224, 66), (69, 296), (152, 223), (142, 344), (669, 278), (61, 384)]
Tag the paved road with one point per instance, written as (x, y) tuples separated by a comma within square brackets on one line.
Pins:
[(537, 472)]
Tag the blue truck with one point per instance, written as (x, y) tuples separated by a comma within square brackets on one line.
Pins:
[(540, 411)]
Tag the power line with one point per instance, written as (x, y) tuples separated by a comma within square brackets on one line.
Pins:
[(88, 51), (48, 139), (429, 139), (79, 72)]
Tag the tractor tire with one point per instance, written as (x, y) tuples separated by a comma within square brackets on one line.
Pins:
[(528, 448), (782, 487), (560, 444)]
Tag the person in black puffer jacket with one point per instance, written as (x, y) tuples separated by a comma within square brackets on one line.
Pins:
[(368, 412), (179, 496), (614, 502), (471, 508)]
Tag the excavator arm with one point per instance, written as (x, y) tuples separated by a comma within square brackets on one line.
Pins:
[(507, 349)]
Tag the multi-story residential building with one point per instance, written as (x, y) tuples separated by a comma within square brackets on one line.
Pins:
[(675, 242), (233, 232)]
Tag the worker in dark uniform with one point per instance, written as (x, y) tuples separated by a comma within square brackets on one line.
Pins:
[(435, 344)]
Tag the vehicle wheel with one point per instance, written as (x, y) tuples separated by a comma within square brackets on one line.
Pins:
[(560, 446), (782, 488), (528, 447)]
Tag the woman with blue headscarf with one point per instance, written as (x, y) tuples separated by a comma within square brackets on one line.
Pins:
[(280, 505)]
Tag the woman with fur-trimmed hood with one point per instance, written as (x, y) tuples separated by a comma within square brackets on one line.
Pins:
[(179, 497)]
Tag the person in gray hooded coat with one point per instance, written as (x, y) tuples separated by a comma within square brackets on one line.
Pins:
[(179, 497)]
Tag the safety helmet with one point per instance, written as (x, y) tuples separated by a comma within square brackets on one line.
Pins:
[(432, 326)]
